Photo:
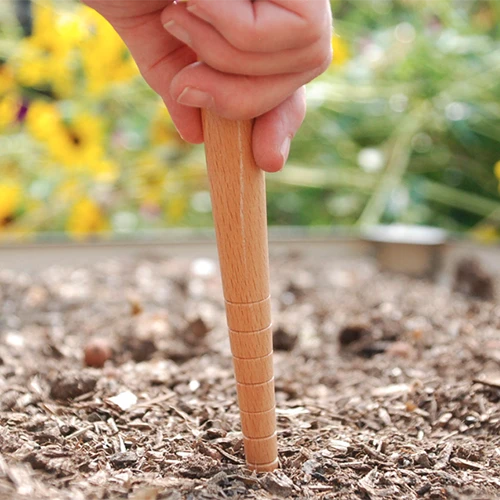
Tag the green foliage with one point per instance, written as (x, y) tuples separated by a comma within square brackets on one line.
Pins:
[(403, 127), (408, 128)]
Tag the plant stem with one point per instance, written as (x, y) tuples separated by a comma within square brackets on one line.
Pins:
[(462, 200), (299, 175), (395, 169)]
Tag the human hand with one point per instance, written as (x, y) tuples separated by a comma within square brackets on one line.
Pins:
[(242, 59)]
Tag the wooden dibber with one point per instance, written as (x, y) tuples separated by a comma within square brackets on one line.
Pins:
[(238, 195)]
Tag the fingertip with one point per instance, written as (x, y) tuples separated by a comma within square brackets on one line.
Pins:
[(268, 157), (188, 124), (270, 166), (285, 148), (274, 131), (193, 136)]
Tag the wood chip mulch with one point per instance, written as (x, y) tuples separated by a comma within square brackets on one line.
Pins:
[(387, 386)]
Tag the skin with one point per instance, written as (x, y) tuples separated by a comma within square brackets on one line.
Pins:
[(240, 58)]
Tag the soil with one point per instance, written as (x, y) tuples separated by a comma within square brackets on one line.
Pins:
[(387, 386)]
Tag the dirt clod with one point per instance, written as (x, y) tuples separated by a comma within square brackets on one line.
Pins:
[(473, 280), (196, 332), (141, 349), (73, 384), (353, 334), (283, 340)]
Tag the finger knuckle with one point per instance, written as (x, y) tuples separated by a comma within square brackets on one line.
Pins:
[(237, 109), (245, 110), (220, 65), (246, 40)]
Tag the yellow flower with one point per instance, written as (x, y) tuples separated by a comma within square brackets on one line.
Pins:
[(496, 170), (485, 18), (78, 142), (43, 120), (69, 189), (340, 51), (9, 106), (86, 218), (104, 170), (7, 80), (44, 58), (10, 199), (486, 234), (150, 180), (106, 59), (177, 205), (71, 28)]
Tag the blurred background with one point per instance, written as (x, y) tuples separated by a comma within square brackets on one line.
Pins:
[(403, 127)]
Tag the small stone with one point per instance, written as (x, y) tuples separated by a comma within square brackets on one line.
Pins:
[(422, 459), (310, 466), (123, 459), (194, 385), (124, 400), (97, 352)]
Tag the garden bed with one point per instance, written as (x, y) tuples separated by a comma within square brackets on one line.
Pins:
[(387, 386)]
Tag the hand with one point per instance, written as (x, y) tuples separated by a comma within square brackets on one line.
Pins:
[(242, 59)]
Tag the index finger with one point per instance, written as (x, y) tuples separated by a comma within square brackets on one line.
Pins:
[(265, 25)]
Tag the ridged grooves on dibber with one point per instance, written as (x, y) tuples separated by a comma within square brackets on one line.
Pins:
[(250, 317), (253, 367), (251, 344)]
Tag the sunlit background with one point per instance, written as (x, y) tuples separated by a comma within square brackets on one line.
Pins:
[(403, 127)]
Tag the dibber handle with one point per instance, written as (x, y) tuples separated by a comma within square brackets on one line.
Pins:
[(237, 188)]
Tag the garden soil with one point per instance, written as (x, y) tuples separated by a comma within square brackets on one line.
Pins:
[(387, 386)]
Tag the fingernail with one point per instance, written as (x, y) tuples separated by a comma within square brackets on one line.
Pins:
[(178, 31), (285, 148), (195, 98)]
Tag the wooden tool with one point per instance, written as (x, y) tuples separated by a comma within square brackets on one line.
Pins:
[(238, 194)]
